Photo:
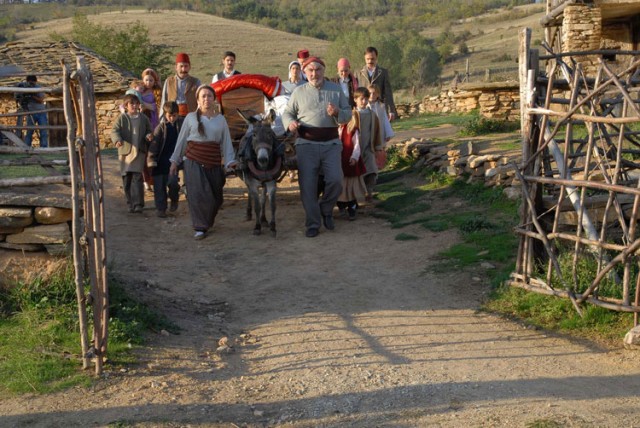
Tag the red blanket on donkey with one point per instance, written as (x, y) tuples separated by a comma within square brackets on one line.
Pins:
[(270, 86)]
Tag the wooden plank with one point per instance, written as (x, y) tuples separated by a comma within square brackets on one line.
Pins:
[(35, 181), (17, 141)]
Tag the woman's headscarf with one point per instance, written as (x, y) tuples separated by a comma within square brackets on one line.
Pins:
[(299, 76)]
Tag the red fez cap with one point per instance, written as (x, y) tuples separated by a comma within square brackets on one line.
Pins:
[(304, 54), (182, 57), (310, 60)]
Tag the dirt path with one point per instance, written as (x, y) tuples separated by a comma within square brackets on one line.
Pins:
[(347, 329)]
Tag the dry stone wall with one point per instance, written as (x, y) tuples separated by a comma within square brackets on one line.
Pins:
[(465, 162), (36, 219), (493, 101)]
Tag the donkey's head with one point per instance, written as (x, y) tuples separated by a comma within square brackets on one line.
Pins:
[(261, 139)]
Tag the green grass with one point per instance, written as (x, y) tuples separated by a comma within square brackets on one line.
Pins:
[(39, 334), (485, 228), (26, 171), (478, 125), (553, 313), (430, 120)]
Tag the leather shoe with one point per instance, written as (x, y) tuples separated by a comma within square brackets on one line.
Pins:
[(312, 232), (328, 222)]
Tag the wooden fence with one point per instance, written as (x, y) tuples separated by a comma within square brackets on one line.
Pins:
[(87, 195), (580, 179)]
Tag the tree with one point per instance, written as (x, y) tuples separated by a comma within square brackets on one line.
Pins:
[(131, 49), (421, 61), (351, 45)]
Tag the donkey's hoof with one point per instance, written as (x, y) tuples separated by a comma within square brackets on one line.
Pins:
[(273, 233), (257, 232)]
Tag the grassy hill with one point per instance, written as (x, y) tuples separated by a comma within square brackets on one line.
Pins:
[(492, 40), (259, 49)]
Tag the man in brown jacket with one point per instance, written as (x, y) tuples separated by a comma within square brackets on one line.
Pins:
[(372, 74)]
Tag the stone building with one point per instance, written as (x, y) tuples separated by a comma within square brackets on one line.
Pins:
[(591, 25), (43, 58)]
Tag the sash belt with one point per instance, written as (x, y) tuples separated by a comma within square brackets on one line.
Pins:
[(317, 133), (206, 153)]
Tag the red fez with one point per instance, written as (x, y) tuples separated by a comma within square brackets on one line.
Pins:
[(304, 54), (310, 60), (182, 57)]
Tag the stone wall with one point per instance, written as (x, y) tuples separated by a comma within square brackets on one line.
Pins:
[(36, 219), (582, 31), (499, 101), (465, 161)]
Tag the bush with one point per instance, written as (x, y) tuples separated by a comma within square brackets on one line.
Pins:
[(131, 49), (479, 125)]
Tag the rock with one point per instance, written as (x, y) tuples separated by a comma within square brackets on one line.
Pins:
[(44, 234), (420, 163), (491, 172), (487, 265), (53, 215), (59, 249), (258, 413), (224, 350), (461, 162), (452, 171), (512, 192), (10, 230), (15, 212), (21, 247), (476, 161), (54, 195), (164, 332), (15, 222), (223, 341), (632, 338)]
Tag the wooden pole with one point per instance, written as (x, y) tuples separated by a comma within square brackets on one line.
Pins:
[(78, 259)]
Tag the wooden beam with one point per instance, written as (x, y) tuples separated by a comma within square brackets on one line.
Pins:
[(35, 181)]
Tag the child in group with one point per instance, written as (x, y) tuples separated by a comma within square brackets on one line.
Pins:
[(380, 110), (371, 141), (165, 136), (151, 93), (137, 88), (353, 187), (131, 135)]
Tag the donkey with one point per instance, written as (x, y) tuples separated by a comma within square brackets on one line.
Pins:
[(261, 155)]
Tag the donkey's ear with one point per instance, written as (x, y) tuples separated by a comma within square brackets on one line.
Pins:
[(271, 115), (248, 119)]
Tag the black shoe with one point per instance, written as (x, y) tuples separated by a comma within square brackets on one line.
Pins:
[(352, 213), (328, 222), (312, 232), (174, 206)]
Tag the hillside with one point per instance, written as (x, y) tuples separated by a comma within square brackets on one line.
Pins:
[(259, 49), (492, 40)]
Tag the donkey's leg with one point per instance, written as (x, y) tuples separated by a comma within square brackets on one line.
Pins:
[(247, 214), (263, 205), (271, 191), (254, 196)]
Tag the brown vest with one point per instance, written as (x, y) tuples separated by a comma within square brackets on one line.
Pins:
[(190, 91)]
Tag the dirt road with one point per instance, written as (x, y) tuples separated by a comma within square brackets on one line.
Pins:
[(351, 328)]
